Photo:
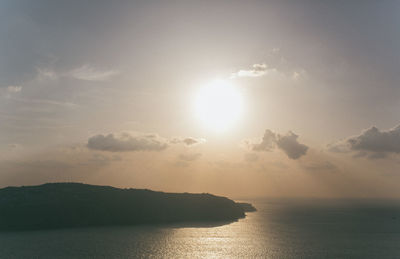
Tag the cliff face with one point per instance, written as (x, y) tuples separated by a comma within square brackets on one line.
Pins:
[(61, 205)]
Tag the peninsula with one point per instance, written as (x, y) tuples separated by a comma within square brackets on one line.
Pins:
[(65, 205)]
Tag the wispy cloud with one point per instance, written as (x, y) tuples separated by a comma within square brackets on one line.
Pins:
[(85, 72), (10, 91), (44, 101), (260, 70), (90, 73), (320, 166), (250, 157), (189, 157), (46, 74), (274, 65), (14, 88), (256, 71)]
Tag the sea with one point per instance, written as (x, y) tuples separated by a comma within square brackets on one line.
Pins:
[(280, 228)]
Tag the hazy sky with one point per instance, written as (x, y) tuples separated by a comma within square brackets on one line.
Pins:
[(104, 92)]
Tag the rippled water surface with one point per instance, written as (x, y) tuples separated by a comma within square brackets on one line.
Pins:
[(279, 229)]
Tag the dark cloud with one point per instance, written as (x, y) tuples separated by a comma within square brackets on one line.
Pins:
[(126, 142), (291, 146), (377, 141), (287, 143), (189, 157), (371, 143)]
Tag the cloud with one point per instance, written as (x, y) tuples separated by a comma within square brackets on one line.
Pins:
[(338, 147), (84, 72), (299, 74), (46, 102), (250, 157), (103, 160), (291, 146), (189, 157), (256, 71), (35, 165), (321, 167), (375, 140), (89, 73), (13, 146), (181, 164), (188, 141), (10, 91), (224, 165), (259, 70), (287, 143), (267, 143), (46, 74), (372, 143), (275, 65), (137, 142), (14, 89), (127, 142)]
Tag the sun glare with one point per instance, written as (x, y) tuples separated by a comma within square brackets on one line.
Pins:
[(219, 105)]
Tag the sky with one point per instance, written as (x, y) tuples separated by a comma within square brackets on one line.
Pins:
[(235, 98)]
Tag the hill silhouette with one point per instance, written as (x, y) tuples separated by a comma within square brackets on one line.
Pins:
[(64, 205)]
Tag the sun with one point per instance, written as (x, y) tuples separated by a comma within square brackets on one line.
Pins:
[(219, 105)]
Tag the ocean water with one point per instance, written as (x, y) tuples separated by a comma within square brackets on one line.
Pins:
[(291, 228)]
